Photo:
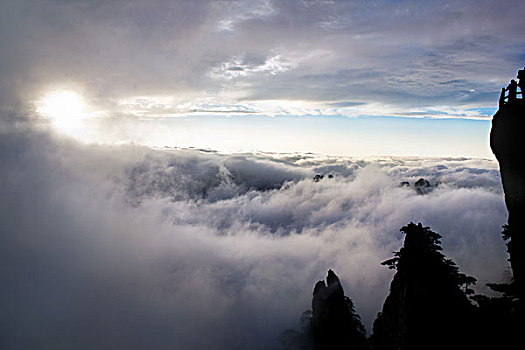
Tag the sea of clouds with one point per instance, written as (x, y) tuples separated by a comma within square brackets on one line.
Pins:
[(124, 247)]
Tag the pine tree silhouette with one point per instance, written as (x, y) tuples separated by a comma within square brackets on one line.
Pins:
[(428, 305)]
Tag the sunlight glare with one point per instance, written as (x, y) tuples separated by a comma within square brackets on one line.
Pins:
[(65, 109)]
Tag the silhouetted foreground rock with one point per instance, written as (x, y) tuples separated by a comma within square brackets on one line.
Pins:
[(332, 323), (335, 325), (507, 140), (498, 320), (427, 307)]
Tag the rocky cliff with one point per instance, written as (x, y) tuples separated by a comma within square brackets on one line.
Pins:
[(335, 325), (427, 307), (507, 140)]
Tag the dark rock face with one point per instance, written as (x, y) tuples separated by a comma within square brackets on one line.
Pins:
[(334, 323), (421, 183), (507, 141), (319, 177), (422, 186), (427, 307), (331, 325)]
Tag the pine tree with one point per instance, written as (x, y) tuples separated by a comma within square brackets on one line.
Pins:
[(428, 305)]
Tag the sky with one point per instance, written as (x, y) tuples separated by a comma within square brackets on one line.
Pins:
[(158, 161), (263, 65)]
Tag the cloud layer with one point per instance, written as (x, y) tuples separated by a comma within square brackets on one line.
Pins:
[(129, 247)]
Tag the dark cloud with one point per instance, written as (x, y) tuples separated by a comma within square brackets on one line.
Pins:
[(408, 53)]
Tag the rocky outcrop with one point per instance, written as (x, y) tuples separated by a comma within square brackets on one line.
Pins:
[(319, 177), (421, 183), (427, 307), (335, 325), (331, 324), (507, 141), (421, 186)]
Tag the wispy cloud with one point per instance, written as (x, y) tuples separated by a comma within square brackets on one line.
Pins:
[(401, 54)]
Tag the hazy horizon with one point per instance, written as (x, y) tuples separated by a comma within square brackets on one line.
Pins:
[(343, 78)]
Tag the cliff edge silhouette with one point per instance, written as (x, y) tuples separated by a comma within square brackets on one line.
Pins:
[(507, 141)]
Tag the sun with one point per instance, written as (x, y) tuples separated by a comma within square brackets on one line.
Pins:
[(65, 109)]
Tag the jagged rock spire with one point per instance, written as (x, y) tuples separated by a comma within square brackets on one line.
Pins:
[(335, 325)]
